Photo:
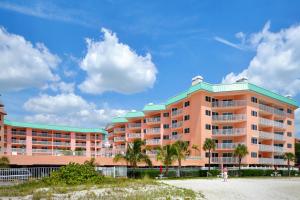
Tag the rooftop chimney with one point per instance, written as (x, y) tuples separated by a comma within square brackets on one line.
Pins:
[(196, 80), (241, 80)]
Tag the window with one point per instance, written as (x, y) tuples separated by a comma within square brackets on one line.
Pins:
[(166, 115), (144, 120), (166, 126), (254, 127), (289, 122), (186, 117), (254, 140), (208, 99), (208, 112), (186, 104), (207, 126), (254, 113), (166, 137), (289, 134), (144, 130), (187, 130), (174, 133), (289, 145), (254, 99), (253, 155), (289, 111)]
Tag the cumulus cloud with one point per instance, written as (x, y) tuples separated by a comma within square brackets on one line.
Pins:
[(276, 65), (61, 86), (113, 66), (23, 64), (69, 109)]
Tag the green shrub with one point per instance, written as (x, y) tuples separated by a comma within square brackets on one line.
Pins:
[(214, 172), (74, 174)]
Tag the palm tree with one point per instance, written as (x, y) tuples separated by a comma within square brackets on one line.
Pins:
[(181, 151), (240, 152), (289, 157), (135, 154), (209, 145), (167, 155), (195, 147), (4, 162)]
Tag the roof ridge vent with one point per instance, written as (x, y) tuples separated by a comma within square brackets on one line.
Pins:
[(150, 104), (197, 79), (242, 80), (133, 111)]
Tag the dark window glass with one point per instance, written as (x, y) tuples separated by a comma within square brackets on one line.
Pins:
[(208, 112), (186, 104), (166, 126), (187, 130), (208, 99), (253, 154), (254, 99), (289, 111), (289, 134), (207, 126), (254, 140), (254, 113), (289, 122), (254, 127), (289, 145), (186, 117), (166, 114)]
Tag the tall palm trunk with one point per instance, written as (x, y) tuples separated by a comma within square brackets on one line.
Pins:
[(179, 168), (209, 161), (167, 170), (289, 167), (240, 161)]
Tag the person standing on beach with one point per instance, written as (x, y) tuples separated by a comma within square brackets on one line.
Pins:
[(225, 174)]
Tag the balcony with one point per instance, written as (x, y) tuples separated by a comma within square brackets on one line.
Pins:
[(229, 104), (18, 141), (153, 131), (229, 132), (177, 124), (42, 151), (134, 135), (61, 136), (119, 139), (80, 144), (271, 123), (80, 137), (22, 133), (225, 160), (267, 161), (278, 149), (153, 120), (265, 135), (118, 130), (134, 125), (175, 137), (61, 143), (19, 150), (278, 137), (272, 110), (153, 142), (177, 112), (266, 148), (41, 135), (226, 145), (41, 142), (229, 118), (278, 161)]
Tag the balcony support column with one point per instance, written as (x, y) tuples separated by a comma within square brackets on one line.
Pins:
[(29, 141)]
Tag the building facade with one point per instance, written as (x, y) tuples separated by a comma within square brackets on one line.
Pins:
[(230, 114)]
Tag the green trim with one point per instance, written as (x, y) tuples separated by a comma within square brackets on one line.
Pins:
[(54, 127), (119, 120), (154, 107), (134, 114)]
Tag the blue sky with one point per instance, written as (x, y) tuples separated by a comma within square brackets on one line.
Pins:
[(164, 45)]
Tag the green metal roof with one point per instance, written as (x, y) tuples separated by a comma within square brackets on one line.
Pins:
[(154, 107), (54, 127), (134, 114), (231, 87), (119, 120)]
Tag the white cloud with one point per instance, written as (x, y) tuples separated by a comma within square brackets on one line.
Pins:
[(113, 66), (228, 43), (68, 109), (276, 65), (23, 64), (61, 86)]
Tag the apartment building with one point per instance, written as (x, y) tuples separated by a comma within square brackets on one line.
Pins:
[(231, 114)]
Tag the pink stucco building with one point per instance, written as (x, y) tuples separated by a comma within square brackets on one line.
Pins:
[(231, 114)]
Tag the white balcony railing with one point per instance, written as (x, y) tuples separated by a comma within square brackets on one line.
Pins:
[(265, 161), (177, 112), (278, 149), (62, 143), (264, 147), (41, 142), (226, 145), (278, 161), (119, 139), (228, 160), (229, 132), (153, 131), (42, 151), (41, 135), (175, 137), (153, 142), (278, 137), (18, 150), (265, 135), (18, 141), (134, 125), (18, 132), (233, 103), (153, 120), (119, 129), (235, 117), (272, 123), (177, 124), (272, 110), (134, 135)]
